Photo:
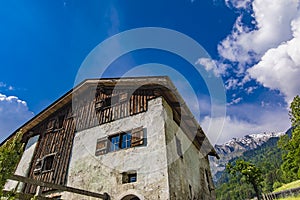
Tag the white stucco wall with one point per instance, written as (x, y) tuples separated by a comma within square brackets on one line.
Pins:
[(24, 164), (186, 175), (103, 173)]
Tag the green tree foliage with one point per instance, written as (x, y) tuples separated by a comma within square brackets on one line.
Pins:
[(10, 154), (247, 172), (268, 158), (291, 146)]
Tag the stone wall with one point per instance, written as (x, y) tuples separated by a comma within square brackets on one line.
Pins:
[(188, 170)]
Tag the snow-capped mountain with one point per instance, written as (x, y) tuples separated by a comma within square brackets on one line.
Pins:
[(236, 147)]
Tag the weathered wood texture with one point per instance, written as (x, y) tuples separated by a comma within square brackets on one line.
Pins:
[(53, 140), (107, 105), (104, 196)]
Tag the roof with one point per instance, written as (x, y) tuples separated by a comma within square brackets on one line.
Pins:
[(162, 83)]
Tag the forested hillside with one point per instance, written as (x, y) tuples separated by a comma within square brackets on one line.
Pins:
[(278, 161), (268, 158)]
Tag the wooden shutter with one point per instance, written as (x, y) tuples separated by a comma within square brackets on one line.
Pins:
[(101, 146), (137, 137)]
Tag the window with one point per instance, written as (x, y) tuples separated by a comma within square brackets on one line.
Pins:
[(61, 121), (122, 140), (44, 164), (129, 177), (48, 163), (126, 140), (178, 147), (114, 143)]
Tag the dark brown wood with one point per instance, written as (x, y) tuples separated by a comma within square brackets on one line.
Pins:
[(58, 141), (58, 187)]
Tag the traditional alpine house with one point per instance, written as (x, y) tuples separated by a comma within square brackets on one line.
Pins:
[(130, 138)]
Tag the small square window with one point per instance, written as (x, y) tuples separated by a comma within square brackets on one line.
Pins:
[(129, 177)]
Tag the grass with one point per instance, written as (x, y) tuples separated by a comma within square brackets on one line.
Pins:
[(291, 185)]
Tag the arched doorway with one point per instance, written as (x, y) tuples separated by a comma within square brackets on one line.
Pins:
[(130, 197)]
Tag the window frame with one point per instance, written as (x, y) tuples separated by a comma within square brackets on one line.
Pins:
[(120, 138), (127, 177), (136, 137), (41, 162)]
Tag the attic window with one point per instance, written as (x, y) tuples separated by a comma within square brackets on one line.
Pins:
[(129, 177), (122, 140), (61, 121), (44, 164)]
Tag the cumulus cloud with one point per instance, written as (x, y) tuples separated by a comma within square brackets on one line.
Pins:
[(13, 113), (261, 120), (273, 26), (268, 50), (279, 68)]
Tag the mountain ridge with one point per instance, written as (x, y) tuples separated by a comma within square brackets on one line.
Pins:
[(236, 147)]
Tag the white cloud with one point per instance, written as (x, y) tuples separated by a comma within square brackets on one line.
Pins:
[(239, 4), (13, 113), (279, 68), (273, 26), (266, 121), (235, 101), (273, 44), (211, 65), (250, 89)]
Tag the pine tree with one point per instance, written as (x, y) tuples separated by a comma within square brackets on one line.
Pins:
[(291, 157)]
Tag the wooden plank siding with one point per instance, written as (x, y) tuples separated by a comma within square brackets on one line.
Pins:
[(56, 141), (78, 115)]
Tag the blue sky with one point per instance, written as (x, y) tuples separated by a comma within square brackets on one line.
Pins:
[(253, 47)]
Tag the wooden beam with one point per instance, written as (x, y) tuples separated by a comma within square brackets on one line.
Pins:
[(23, 179)]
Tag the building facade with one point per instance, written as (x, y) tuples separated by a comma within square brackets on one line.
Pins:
[(132, 138)]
